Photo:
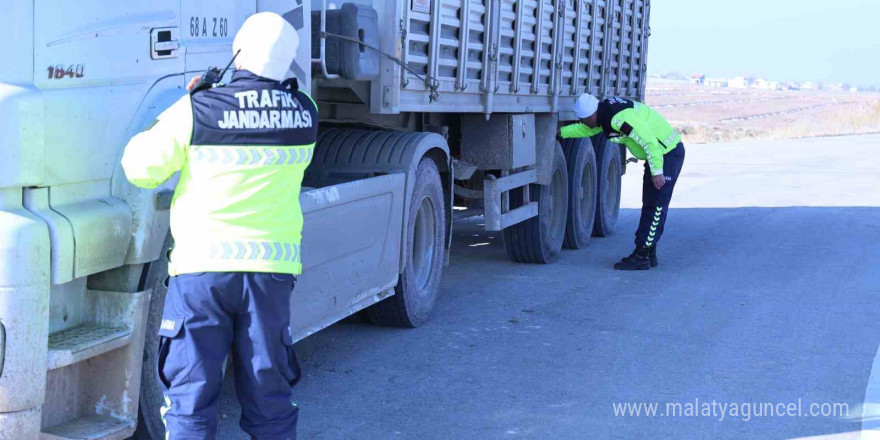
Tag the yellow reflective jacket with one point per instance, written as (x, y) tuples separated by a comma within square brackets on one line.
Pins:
[(646, 134), (241, 151)]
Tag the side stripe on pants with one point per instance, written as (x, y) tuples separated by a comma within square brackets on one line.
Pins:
[(166, 406), (653, 231)]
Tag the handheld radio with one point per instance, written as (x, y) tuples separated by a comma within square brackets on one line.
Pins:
[(212, 76)]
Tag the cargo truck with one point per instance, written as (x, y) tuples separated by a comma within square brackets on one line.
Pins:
[(431, 111)]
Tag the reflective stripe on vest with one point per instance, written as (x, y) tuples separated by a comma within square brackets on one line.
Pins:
[(668, 143), (251, 155), (255, 250)]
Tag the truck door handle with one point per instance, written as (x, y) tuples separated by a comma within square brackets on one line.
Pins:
[(163, 43), (161, 46)]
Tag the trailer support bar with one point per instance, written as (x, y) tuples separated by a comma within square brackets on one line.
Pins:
[(497, 217)]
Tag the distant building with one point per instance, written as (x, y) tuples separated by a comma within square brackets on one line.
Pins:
[(740, 82), (835, 87), (715, 82), (808, 85), (762, 83), (697, 79)]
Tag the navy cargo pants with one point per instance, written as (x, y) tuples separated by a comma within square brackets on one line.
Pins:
[(655, 202), (205, 315)]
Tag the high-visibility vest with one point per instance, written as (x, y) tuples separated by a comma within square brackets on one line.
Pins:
[(241, 151), (644, 132)]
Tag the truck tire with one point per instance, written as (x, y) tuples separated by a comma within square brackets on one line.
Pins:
[(419, 284), (608, 200), (150, 426), (582, 192), (539, 239)]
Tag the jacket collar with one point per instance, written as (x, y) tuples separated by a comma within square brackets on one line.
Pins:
[(246, 75)]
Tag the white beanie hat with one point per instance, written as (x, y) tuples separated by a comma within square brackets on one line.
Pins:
[(585, 105), (268, 45)]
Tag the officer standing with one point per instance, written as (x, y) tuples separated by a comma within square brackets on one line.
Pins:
[(241, 150), (649, 137)]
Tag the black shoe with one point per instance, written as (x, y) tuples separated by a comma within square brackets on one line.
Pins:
[(652, 256), (638, 260)]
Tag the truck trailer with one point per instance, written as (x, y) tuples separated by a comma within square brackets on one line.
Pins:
[(430, 111)]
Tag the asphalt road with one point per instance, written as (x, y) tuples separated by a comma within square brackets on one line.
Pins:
[(767, 292)]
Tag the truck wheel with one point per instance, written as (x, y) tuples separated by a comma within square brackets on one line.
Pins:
[(539, 239), (582, 191), (150, 425), (418, 285), (608, 201)]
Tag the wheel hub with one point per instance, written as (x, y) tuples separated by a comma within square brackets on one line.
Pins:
[(424, 240)]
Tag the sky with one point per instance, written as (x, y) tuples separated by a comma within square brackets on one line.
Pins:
[(786, 40)]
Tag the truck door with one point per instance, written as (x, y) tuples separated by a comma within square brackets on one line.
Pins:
[(207, 28), (90, 57), (100, 43)]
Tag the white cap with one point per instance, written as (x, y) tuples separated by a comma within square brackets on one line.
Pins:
[(268, 45), (585, 106)]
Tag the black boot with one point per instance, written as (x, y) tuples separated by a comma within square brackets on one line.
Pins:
[(652, 255), (638, 260)]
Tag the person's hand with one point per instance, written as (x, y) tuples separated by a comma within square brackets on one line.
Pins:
[(659, 181), (193, 82)]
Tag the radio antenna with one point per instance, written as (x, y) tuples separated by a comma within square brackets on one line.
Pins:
[(223, 73)]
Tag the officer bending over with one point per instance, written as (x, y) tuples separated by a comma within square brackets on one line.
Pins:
[(241, 151), (649, 137)]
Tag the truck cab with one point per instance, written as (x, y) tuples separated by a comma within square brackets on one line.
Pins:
[(82, 251)]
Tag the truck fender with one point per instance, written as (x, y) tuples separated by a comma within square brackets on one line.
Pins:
[(150, 220), (359, 152)]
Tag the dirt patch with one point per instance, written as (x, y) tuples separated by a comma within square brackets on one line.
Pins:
[(718, 115)]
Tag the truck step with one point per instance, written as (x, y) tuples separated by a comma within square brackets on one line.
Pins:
[(83, 342), (90, 428)]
